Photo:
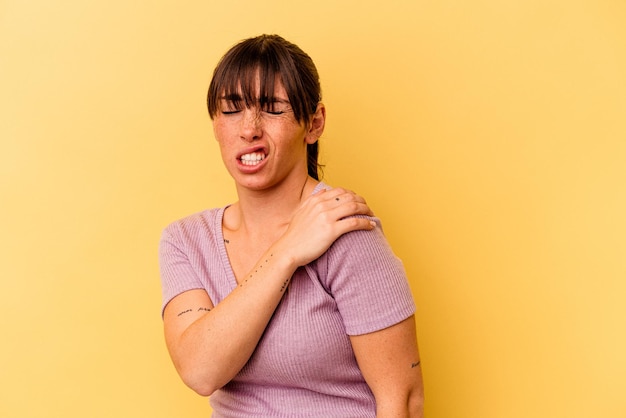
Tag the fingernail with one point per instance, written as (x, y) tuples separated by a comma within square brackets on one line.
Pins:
[(373, 224)]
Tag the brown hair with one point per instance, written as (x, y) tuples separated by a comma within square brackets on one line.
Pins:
[(269, 57)]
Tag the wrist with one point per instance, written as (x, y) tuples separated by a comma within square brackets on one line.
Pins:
[(284, 256)]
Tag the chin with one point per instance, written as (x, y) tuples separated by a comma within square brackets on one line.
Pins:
[(254, 183)]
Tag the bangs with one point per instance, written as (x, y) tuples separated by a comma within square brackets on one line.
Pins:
[(252, 82), (247, 76)]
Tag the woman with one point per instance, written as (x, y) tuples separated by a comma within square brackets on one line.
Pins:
[(289, 302)]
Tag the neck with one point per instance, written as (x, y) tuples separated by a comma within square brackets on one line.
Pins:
[(270, 209)]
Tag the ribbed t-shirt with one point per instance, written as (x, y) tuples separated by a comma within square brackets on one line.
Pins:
[(304, 365)]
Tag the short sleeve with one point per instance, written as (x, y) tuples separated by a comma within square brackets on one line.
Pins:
[(177, 272), (368, 282)]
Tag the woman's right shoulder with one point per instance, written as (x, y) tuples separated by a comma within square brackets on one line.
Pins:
[(202, 222)]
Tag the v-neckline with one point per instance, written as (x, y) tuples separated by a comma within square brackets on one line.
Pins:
[(222, 248), (219, 227)]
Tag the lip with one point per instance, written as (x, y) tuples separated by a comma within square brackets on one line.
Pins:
[(251, 169), (250, 150)]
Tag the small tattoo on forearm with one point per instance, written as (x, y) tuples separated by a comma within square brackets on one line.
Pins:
[(184, 312), (204, 309), (260, 266), (413, 365), (226, 241)]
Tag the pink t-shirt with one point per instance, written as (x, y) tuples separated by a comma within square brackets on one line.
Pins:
[(304, 365)]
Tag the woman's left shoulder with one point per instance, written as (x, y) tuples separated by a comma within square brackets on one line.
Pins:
[(361, 245)]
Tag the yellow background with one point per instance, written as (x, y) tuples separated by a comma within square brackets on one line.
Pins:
[(490, 137)]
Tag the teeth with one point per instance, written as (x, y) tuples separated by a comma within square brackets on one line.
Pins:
[(252, 158)]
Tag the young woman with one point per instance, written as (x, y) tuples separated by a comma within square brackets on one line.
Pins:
[(288, 302)]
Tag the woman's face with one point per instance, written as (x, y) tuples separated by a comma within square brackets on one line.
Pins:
[(262, 146)]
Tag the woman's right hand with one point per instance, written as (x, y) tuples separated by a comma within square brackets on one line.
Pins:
[(320, 220)]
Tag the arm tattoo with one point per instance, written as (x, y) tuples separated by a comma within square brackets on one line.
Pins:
[(260, 266), (413, 365), (191, 310)]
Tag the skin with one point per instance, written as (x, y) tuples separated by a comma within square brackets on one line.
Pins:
[(275, 227)]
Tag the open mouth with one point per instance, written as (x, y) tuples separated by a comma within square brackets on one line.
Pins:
[(252, 158)]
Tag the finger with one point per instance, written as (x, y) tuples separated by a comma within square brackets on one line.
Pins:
[(350, 200), (354, 224), (355, 201), (352, 203), (346, 209), (335, 193), (339, 194)]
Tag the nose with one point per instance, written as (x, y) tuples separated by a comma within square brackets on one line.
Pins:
[(251, 127)]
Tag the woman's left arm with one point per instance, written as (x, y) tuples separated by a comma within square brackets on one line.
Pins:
[(390, 362)]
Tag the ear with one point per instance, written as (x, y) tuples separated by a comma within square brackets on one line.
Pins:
[(316, 126)]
